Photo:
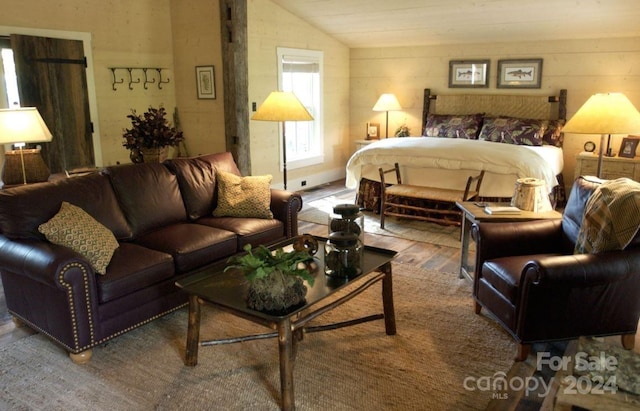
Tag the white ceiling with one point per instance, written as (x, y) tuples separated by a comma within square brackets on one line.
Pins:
[(392, 23)]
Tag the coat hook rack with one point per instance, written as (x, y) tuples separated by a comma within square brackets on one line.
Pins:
[(147, 79), (114, 82), (160, 82)]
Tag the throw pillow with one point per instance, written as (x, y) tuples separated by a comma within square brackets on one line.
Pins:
[(72, 227), (453, 126), (512, 131), (243, 196)]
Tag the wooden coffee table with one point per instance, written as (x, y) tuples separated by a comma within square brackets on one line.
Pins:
[(471, 213), (227, 291)]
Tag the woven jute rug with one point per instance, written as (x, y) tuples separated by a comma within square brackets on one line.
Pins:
[(440, 343), (318, 212)]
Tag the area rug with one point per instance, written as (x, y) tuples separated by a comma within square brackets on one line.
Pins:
[(440, 343), (318, 212)]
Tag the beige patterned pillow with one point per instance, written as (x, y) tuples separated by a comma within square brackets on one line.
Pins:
[(243, 196), (72, 227)]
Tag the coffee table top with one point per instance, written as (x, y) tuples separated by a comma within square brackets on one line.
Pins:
[(471, 209), (229, 289)]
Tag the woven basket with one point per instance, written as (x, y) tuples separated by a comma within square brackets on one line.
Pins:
[(154, 155)]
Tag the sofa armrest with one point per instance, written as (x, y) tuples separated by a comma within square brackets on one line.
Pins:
[(285, 206), (39, 260)]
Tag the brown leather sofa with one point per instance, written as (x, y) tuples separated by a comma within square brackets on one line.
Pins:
[(161, 215), (527, 276)]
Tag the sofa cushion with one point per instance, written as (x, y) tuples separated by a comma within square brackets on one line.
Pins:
[(148, 195), (197, 182), (191, 245), (19, 218), (573, 213), (252, 231), (133, 268), (243, 196), (72, 227)]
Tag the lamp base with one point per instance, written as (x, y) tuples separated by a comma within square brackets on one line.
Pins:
[(35, 169)]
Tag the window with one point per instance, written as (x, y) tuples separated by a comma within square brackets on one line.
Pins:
[(300, 71)]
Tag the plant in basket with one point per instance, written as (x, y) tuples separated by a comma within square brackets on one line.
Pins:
[(150, 131)]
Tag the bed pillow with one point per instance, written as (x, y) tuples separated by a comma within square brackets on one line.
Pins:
[(512, 131), (74, 228), (553, 133), (243, 196), (453, 126)]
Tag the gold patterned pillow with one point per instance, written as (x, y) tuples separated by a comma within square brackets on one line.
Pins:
[(243, 196), (72, 227)]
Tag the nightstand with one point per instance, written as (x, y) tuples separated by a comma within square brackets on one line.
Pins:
[(362, 143), (612, 167)]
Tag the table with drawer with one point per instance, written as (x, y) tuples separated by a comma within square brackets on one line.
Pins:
[(612, 167)]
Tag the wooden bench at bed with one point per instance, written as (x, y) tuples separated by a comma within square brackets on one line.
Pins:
[(437, 205)]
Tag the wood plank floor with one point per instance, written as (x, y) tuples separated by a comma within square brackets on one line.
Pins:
[(424, 255)]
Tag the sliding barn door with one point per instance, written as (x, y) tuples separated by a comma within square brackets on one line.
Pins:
[(51, 76)]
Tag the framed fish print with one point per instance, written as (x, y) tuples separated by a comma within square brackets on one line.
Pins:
[(469, 73), (525, 73)]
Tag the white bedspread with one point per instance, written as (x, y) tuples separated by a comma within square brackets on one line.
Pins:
[(543, 162)]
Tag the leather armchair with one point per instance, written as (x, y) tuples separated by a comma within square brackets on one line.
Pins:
[(527, 276)]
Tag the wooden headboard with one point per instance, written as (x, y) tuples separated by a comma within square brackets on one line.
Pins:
[(511, 105)]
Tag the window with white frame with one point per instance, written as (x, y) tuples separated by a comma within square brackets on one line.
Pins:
[(300, 71)]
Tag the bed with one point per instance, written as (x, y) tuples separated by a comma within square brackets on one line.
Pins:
[(507, 136)]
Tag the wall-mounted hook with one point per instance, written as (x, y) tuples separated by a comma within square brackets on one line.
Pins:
[(131, 81), (160, 82), (114, 82), (146, 80)]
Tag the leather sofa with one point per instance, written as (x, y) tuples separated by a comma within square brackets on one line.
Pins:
[(161, 216), (538, 290)]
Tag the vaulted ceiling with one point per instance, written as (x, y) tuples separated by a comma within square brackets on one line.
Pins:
[(392, 23)]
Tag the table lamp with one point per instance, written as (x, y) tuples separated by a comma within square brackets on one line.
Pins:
[(605, 114), (282, 106), (387, 102), (19, 126)]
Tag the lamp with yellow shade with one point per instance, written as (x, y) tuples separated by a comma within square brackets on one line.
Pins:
[(20, 126), (387, 102), (282, 106), (605, 114)]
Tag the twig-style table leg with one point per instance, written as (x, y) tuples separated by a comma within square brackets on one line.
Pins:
[(193, 331), (286, 342), (387, 300)]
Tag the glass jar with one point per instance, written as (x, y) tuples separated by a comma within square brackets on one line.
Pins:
[(343, 255), (347, 218)]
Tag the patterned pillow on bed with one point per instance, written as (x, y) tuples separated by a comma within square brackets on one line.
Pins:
[(553, 133), (453, 126), (513, 131)]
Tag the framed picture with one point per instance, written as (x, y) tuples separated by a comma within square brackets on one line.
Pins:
[(373, 131), (469, 73), (628, 147), (525, 73), (206, 82)]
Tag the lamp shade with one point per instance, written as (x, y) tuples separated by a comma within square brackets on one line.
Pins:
[(387, 102), (605, 113), (22, 125), (282, 106)]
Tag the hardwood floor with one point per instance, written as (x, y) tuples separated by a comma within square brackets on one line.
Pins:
[(424, 255)]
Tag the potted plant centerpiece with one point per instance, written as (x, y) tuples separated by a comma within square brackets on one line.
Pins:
[(276, 278), (150, 136)]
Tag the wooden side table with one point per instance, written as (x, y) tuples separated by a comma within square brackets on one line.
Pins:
[(612, 167), (471, 213)]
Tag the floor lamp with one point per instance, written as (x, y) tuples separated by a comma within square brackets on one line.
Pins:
[(387, 102), (605, 114), (282, 106), (20, 126)]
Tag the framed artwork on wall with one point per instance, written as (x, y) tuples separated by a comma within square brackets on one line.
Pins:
[(628, 147), (373, 131), (469, 73), (524, 73), (206, 82)]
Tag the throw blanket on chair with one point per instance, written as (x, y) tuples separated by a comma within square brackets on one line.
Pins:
[(611, 218)]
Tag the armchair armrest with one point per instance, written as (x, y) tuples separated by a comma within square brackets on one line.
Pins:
[(494, 240), (285, 206)]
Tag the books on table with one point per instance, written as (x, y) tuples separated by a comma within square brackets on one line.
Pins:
[(502, 210)]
